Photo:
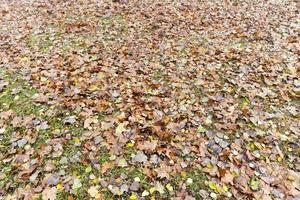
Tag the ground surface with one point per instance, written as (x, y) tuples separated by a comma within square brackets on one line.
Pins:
[(146, 99)]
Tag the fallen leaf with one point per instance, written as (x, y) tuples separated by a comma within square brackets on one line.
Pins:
[(121, 128), (241, 183), (254, 183), (88, 169), (49, 193), (140, 157), (122, 163), (106, 166), (227, 178), (147, 145), (93, 191), (76, 184), (201, 129)]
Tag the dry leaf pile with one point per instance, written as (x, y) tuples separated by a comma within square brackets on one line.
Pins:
[(149, 99)]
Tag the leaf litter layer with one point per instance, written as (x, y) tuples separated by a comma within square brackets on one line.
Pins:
[(149, 100)]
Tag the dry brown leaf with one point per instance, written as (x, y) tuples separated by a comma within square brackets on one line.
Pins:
[(106, 166), (49, 193)]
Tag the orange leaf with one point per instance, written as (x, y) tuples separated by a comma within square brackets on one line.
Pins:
[(106, 166)]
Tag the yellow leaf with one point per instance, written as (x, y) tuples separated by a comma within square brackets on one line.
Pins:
[(95, 181), (151, 137), (76, 82), (151, 190), (24, 59), (291, 178), (119, 192), (213, 186), (219, 189), (132, 197), (88, 169), (130, 144), (169, 187), (101, 75), (210, 166), (93, 88), (166, 119), (59, 186), (76, 140), (225, 188)]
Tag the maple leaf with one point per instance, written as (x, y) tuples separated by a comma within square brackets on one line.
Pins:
[(162, 134), (140, 157), (106, 166), (16, 122), (6, 114), (163, 171), (25, 174), (93, 191), (161, 85), (147, 145), (227, 178), (89, 121), (49, 193), (121, 128)]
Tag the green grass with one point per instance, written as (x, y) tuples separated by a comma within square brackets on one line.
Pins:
[(198, 91), (104, 156), (67, 45), (244, 101), (42, 42), (22, 104), (5, 143), (158, 75), (199, 181)]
